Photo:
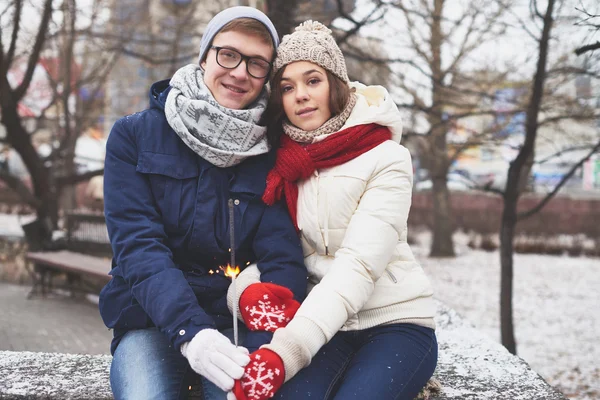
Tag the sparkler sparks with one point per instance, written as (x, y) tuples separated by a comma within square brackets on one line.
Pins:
[(230, 272)]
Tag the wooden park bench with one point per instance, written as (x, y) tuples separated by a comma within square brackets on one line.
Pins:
[(83, 257)]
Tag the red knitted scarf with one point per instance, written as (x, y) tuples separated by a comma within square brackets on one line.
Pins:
[(296, 162)]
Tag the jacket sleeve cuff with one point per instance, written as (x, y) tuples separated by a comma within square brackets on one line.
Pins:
[(297, 344), (247, 277), (186, 332)]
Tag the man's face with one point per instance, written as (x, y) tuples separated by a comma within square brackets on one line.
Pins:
[(235, 88)]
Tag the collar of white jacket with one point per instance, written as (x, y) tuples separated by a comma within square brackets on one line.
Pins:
[(374, 104)]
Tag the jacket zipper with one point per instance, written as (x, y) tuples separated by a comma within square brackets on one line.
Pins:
[(392, 277), (317, 213)]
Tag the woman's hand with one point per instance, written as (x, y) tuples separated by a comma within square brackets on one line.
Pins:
[(267, 306), (263, 376)]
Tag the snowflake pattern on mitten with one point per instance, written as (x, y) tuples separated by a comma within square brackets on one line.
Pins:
[(267, 306), (266, 316), (263, 376)]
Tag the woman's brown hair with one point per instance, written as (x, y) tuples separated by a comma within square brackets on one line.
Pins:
[(274, 115)]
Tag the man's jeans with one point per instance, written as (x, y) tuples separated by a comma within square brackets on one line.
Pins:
[(385, 362), (145, 366)]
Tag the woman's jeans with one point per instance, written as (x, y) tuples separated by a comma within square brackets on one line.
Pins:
[(145, 366), (386, 362)]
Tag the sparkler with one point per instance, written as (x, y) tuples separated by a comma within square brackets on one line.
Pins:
[(233, 270)]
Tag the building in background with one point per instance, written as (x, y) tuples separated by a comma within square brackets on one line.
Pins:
[(495, 139), (158, 37)]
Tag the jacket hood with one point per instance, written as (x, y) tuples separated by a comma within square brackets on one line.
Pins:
[(375, 105), (158, 94)]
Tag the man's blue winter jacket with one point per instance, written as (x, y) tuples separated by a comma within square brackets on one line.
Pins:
[(168, 221)]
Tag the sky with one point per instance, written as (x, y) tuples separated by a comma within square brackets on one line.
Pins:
[(516, 51)]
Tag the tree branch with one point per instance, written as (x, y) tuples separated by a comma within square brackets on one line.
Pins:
[(357, 24), (411, 33), (561, 152), (584, 49), (76, 178), (575, 117), (21, 189), (6, 60), (526, 214), (352, 52), (35, 53), (152, 60), (15, 34)]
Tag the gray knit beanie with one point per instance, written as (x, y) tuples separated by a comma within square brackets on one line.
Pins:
[(312, 41), (229, 14)]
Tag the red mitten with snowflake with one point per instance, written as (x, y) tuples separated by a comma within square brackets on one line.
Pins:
[(267, 306), (262, 378)]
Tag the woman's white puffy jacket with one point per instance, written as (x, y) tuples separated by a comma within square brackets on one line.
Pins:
[(353, 222)]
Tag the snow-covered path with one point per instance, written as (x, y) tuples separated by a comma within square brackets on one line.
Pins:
[(556, 309)]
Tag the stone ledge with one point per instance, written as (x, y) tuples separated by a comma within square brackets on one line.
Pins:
[(53, 376), (470, 366)]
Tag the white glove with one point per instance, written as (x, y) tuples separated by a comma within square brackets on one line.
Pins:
[(231, 396), (213, 356)]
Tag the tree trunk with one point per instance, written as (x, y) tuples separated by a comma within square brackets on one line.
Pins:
[(67, 192), (507, 234), (441, 245), (517, 175), (18, 137), (282, 13)]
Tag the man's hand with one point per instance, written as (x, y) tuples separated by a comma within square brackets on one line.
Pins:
[(267, 306), (213, 356), (262, 378)]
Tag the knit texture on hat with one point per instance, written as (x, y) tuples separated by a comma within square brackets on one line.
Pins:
[(312, 41), (229, 14)]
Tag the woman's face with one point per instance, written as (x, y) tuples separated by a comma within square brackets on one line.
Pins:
[(235, 88), (305, 91)]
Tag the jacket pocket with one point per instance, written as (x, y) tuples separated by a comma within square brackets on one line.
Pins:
[(173, 179)]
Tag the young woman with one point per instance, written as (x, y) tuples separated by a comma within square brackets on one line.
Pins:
[(366, 328), (171, 172)]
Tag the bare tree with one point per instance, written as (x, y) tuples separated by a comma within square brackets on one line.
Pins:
[(590, 21), (74, 64), (154, 42), (16, 134), (544, 106), (283, 14), (287, 14), (439, 41)]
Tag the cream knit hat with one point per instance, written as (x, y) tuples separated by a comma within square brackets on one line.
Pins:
[(312, 41)]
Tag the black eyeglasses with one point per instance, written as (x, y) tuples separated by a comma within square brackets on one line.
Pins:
[(230, 59)]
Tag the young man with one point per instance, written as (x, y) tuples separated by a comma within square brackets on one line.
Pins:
[(171, 172)]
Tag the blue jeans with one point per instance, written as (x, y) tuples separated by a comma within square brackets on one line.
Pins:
[(145, 366), (386, 362)]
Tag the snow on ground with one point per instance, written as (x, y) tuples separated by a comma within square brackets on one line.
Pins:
[(10, 224), (556, 306)]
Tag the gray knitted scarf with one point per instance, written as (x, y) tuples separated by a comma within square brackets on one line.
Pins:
[(220, 135)]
